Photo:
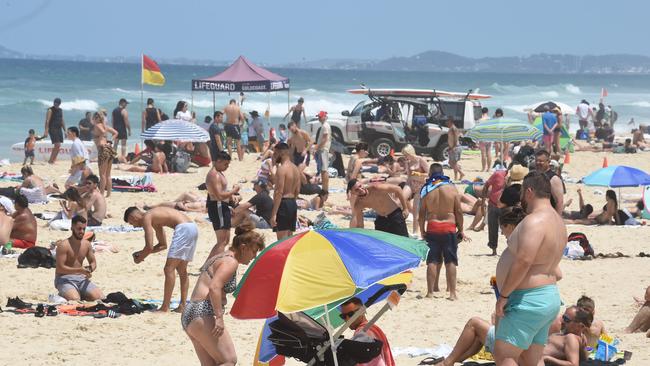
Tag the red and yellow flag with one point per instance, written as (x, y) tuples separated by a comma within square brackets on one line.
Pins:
[(151, 72)]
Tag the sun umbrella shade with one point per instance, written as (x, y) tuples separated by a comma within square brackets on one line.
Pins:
[(617, 176), (319, 267), (541, 107), (176, 130), (502, 129)]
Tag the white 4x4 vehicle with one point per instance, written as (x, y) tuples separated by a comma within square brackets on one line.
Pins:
[(390, 119)]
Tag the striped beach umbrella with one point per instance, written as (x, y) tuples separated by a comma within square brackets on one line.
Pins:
[(319, 267), (176, 130), (504, 130)]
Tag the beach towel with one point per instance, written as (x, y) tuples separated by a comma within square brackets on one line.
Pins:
[(34, 195), (11, 177), (133, 183), (113, 229), (442, 350), (434, 182)]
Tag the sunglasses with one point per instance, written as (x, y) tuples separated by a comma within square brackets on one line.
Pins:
[(344, 316), (566, 319)]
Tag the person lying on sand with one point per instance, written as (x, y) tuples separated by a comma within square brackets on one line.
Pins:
[(641, 321), (188, 202), (608, 216), (158, 163), (181, 250), (72, 279), (316, 203), (584, 212)]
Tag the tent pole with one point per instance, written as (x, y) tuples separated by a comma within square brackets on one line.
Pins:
[(214, 103), (288, 99)]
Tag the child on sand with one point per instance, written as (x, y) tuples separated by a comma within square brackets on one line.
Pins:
[(30, 144)]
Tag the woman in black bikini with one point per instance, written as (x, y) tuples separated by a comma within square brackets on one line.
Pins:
[(202, 318), (296, 112)]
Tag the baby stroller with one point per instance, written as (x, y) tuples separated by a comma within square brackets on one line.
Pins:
[(299, 336)]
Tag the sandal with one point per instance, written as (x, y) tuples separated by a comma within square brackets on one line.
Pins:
[(51, 311), (40, 311), (431, 361)]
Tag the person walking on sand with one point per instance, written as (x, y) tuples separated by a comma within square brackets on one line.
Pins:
[(453, 141), (297, 111), (287, 189), (323, 144), (485, 147), (526, 277), (219, 201), (54, 127), (181, 250), (441, 224), (202, 319), (121, 125), (71, 278), (234, 119)]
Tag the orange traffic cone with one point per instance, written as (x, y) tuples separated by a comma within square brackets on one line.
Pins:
[(567, 158), (137, 149), (605, 164)]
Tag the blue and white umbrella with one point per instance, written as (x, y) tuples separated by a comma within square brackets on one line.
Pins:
[(176, 130)]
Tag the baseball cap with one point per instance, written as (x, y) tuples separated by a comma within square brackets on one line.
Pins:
[(254, 114), (7, 204), (57, 100), (123, 101), (321, 114)]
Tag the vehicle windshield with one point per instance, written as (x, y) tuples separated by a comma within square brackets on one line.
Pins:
[(358, 109)]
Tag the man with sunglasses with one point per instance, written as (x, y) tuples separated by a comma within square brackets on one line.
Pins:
[(348, 309), (568, 347), (94, 201)]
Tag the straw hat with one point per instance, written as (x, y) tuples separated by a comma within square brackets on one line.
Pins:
[(518, 172), (78, 160), (408, 150)]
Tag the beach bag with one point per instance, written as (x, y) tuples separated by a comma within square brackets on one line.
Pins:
[(583, 241), (573, 250), (181, 162), (35, 257)]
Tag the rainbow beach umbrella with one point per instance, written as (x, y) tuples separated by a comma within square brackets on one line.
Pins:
[(319, 267)]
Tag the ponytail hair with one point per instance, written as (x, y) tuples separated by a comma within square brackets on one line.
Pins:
[(245, 234)]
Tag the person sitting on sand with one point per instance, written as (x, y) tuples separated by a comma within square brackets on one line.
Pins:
[(316, 203), (638, 139), (202, 318), (609, 215), (33, 186), (146, 154), (158, 163), (78, 173), (473, 203), (597, 327), (187, 202), (6, 221), (72, 204), (350, 308), (360, 163), (25, 228), (94, 202), (641, 321), (181, 249), (263, 204), (72, 279)]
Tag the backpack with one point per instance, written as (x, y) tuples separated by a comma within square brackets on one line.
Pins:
[(35, 257), (583, 241), (181, 162)]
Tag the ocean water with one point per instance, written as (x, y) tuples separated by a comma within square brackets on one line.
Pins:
[(27, 88)]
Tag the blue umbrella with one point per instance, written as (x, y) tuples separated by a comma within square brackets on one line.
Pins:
[(617, 176)]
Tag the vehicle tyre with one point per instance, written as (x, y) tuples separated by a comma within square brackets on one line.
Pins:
[(381, 147), (441, 151)]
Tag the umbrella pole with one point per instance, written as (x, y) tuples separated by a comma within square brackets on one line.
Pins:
[(192, 108), (329, 331)]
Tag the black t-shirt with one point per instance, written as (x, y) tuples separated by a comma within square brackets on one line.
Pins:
[(215, 130), (85, 135), (263, 205)]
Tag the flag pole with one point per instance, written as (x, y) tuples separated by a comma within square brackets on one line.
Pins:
[(141, 90)]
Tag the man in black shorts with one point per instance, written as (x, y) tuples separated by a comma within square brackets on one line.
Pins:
[(215, 131), (234, 119), (387, 200), (219, 201), (121, 125), (287, 188), (54, 127)]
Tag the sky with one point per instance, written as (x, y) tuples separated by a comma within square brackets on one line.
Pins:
[(287, 31)]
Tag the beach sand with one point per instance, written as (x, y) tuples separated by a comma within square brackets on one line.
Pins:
[(159, 339)]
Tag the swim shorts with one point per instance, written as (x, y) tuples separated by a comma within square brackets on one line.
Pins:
[(22, 244), (454, 154), (322, 160), (219, 214), (299, 159), (184, 242), (77, 282), (489, 339), (56, 135), (443, 247), (260, 222), (285, 220), (393, 223), (529, 314), (121, 132), (232, 131), (29, 153)]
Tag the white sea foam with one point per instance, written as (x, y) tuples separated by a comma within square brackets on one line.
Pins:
[(572, 89), (74, 105), (641, 103), (550, 94)]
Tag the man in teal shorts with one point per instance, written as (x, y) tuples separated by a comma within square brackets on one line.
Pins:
[(527, 273)]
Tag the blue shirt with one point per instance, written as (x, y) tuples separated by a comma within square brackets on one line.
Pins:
[(549, 119)]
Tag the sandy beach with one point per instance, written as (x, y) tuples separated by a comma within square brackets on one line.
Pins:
[(151, 338)]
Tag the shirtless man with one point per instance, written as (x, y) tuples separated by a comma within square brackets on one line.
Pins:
[(297, 111), (567, 348), (158, 163), (299, 142), (543, 165), (287, 188), (641, 321), (6, 221), (25, 228), (72, 279), (94, 202), (526, 274), (219, 201), (357, 161), (453, 140), (441, 210), (234, 118), (181, 249), (387, 200), (638, 139)]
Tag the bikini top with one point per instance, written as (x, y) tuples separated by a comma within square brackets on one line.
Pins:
[(230, 286), (433, 183)]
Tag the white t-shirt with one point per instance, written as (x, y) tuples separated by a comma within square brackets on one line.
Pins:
[(185, 116), (78, 149), (583, 111), (325, 129)]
